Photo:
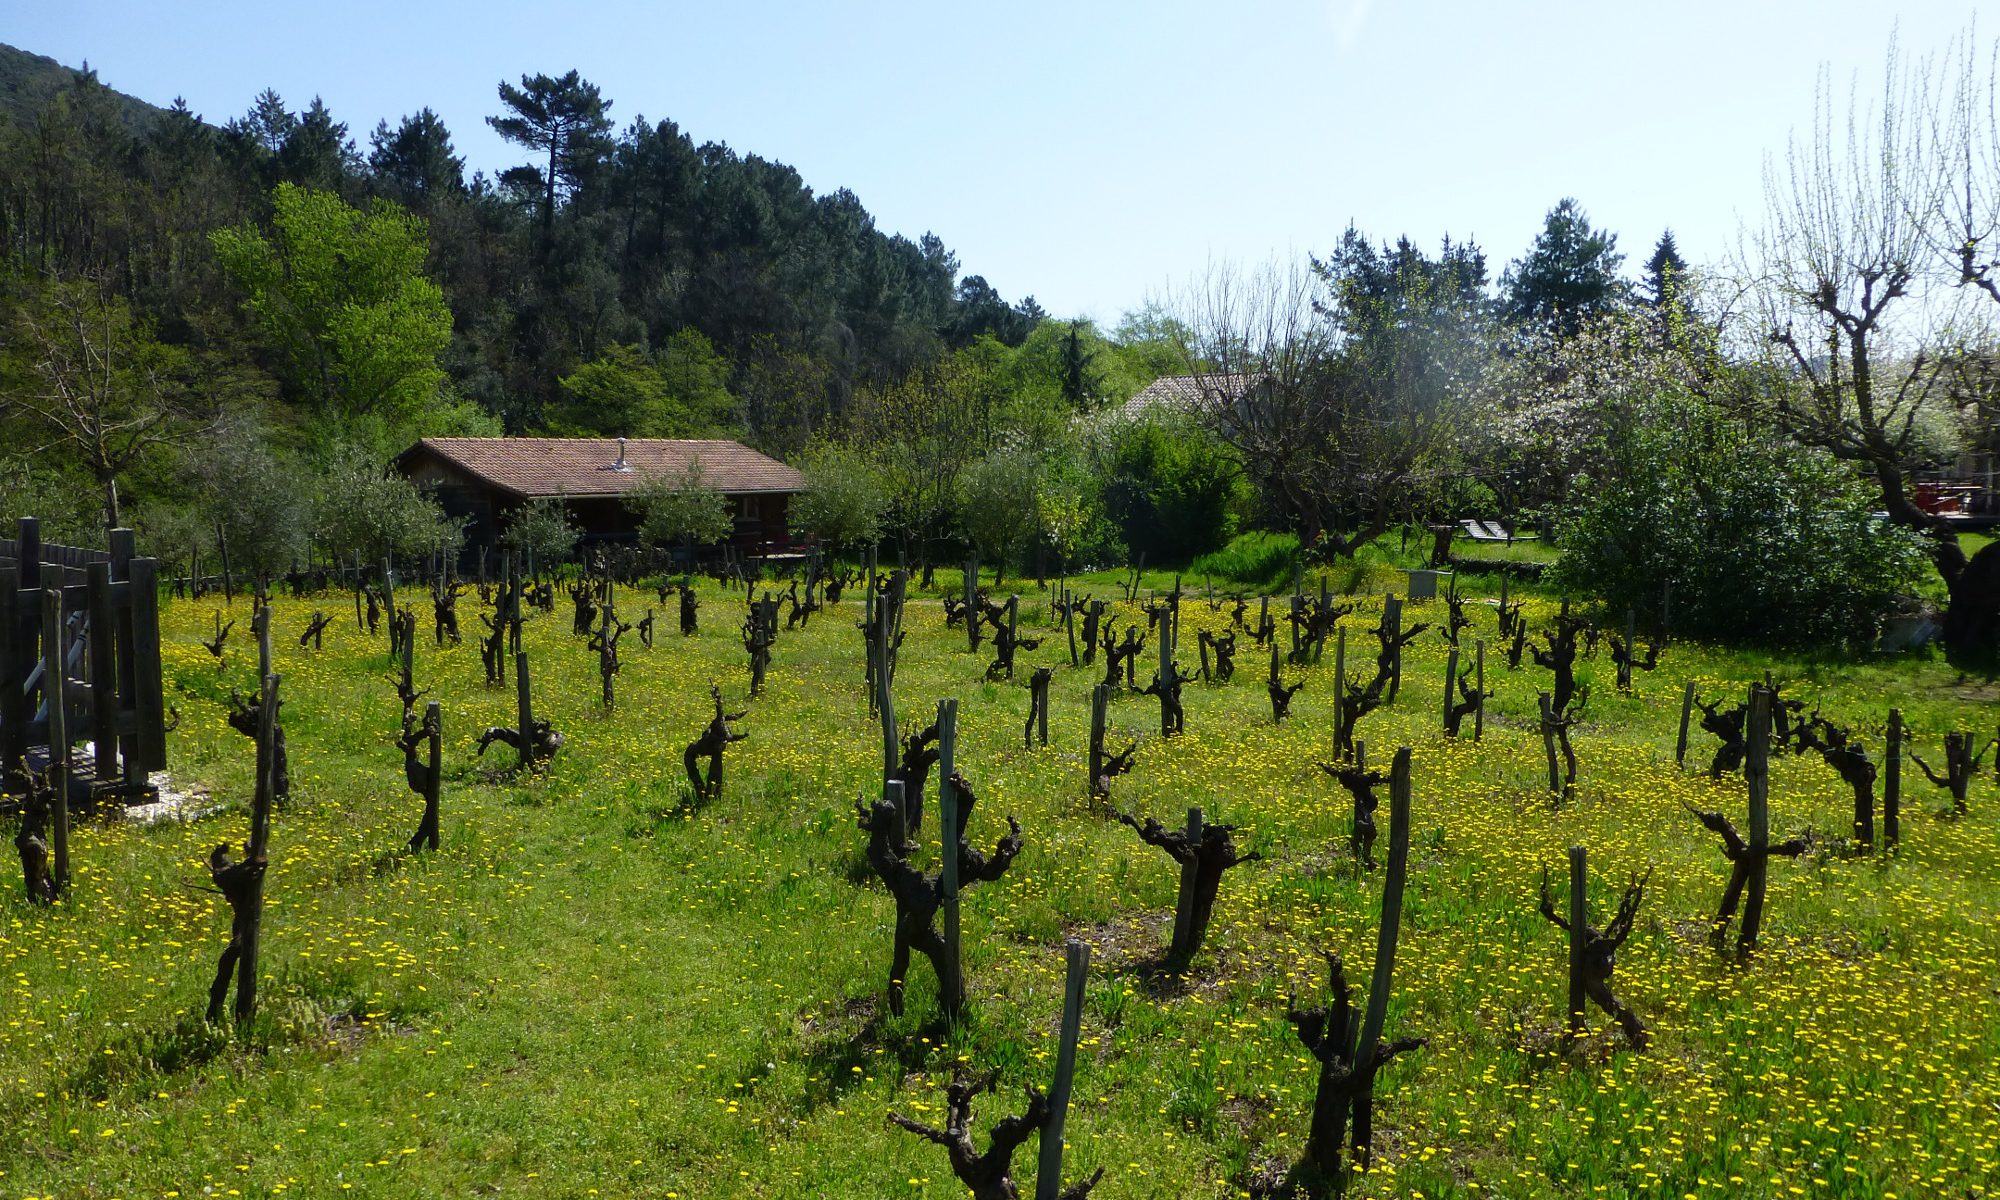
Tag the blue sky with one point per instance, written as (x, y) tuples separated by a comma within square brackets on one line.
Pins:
[(1092, 154)]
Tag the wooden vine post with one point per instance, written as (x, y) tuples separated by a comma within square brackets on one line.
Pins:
[(953, 998), (971, 582), (1349, 1058), (1369, 1056), (1579, 923), (1749, 859), (1479, 682), (55, 694), (1104, 766), (1593, 952), (1687, 714), (1048, 1168), (989, 1175), (1340, 731), (1204, 851), (1184, 901), (1757, 775), (1892, 780), (1392, 618), (524, 706), (1450, 684)]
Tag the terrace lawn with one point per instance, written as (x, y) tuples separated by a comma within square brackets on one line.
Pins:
[(591, 991)]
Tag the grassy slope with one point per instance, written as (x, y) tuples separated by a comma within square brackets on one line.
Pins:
[(591, 992)]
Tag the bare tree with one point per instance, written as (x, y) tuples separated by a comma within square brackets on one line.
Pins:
[(1342, 383), (1855, 313), (97, 383)]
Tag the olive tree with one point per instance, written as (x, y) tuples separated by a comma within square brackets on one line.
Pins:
[(683, 508), (845, 497)]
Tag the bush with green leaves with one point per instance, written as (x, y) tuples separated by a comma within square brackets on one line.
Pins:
[(1174, 489), (996, 504), (1761, 542), (845, 497), (542, 529), (363, 509), (684, 510)]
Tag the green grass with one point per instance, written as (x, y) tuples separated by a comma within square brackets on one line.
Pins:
[(594, 990)]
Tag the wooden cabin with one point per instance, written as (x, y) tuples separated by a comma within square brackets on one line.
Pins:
[(484, 479)]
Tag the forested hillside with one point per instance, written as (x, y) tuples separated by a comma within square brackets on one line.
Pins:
[(286, 302)]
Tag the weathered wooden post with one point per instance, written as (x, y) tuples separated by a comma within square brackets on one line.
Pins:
[(1549, 744), (1340, 733), (1479, 681), (971, 582), (1631, 651), (511, 568), (885, 708), (948, 819), (55, 695), (103, 671), (1368, 1058), (1687, 712), (1048, 1170), (1892, 780), (1392, 609), (1069, 623), (1179, 951), (525, 709), (228, 580), (1099, 700), (1579, 920), (389, 602), (1757, 774), (1450, 684)]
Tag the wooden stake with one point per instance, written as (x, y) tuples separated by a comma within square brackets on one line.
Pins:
[(525, 708), (1479, 685), (1687, 713), (1757, 774), (1579, 883), (947, 724), (434, 779), (103, 671), (1339, 686), (55, 695), (1385, 953), (1549, 744), (1393, 610), (1181, 951), (1892, 780), (1099, 699), (1450, 683), (1048, 1170)]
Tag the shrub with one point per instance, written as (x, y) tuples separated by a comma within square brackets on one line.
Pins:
[(683, 508), (542, 528), (1174, 489), (1766, 543), (844, 498)]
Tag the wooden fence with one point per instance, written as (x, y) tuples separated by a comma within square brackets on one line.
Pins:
[(90, 621)]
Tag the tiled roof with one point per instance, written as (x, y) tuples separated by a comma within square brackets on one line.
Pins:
[(1184, 392), (529, 466)]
